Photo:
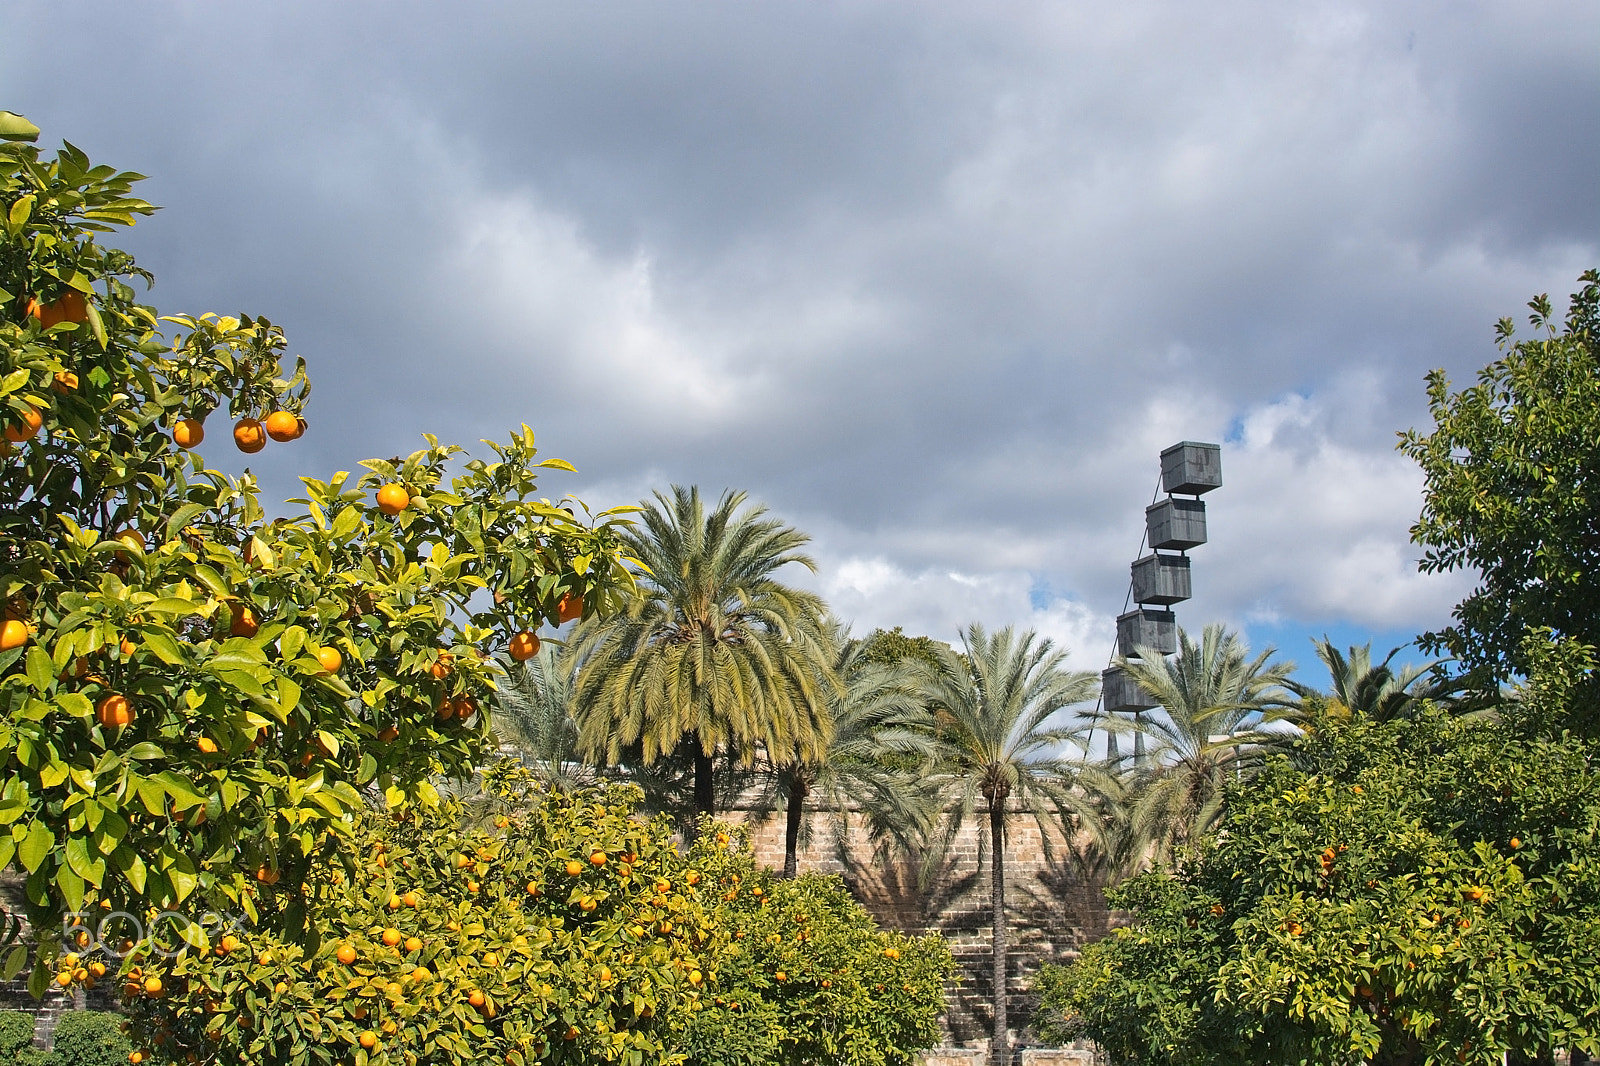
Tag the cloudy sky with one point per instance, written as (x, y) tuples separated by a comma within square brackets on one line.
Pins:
[(937, 282)]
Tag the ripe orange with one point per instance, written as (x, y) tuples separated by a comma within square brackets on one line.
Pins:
[(368, 1039), (570, 606), (388, 734), (244, 622), (135, 1057), (330, 659), (444, 667), (446, 709), (24, 425), (391, 937), (472, 887), (248, 436), (413, 944), (114, 711), (491, 960), (524, 646), (475, 998), (127, 647), (393, 498), (692, 877), (587, 903), (346, 954), (188, 433), (781, 976), (13, 634), (695, 977), (65, 381), (533, 888), (153, 986), (267, 875), (206, 745), (229, 944), (420, 974), (1515, 843), (70, 306), (605, 975), (411, 899), (282, 426), (465, 707), (574, 868)]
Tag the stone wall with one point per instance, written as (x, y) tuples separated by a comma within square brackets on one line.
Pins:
[(1052, 909)]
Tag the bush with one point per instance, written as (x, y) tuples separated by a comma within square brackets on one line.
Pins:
[(807, 976), (559, 929), (16, 1040), (90, 1038)]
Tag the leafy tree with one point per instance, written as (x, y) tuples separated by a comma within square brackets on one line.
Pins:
[(1412, 891), (808, 977), (1512, 470), (996, 746), (881, 736), (717, 655), (890, 647), (567, 931), (1213, 697), (89, 1038), (194, 700)]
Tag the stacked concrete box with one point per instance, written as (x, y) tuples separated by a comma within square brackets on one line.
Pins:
[(1191, 468), (1161, 579), (1175, 525), (1122, 693), (1145, 627)]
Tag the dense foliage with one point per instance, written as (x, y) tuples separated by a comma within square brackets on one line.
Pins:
[(1512, 470), (562, 929), (1402, 892), (191, 696), (807, 976)]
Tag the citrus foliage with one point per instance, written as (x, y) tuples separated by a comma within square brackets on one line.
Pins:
[(191, 696), (1423, 891), (1511, 468), (561, 930), (807, 976)]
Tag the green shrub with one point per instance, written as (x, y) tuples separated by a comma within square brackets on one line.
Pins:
[(90, 1038), (16, 1040), (807, 976)]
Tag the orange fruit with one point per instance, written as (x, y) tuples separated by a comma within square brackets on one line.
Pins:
[(152, 986), (24, 425), (524, 646), (188, 433), (368, 1039), (411, 899), (206, 745), (587, 903), (388, 734), (13, 634), (330, 659), (465, 707), (267, 875), (472, 887), (570, 606), (346, 954), (71, 307), (446, 709), (65, 381), (393, 498), (413, 944), (391, 937), (574, 868), (230, 944), (475, 998), (244, 622), (114, 711), (491, 960), (127, 647), (444, 667), (1515, 843), (533, 888), (248, 436), (781, 976), (282, 426), (695, 977), (135, 1057), (692, 877), (598, 858)]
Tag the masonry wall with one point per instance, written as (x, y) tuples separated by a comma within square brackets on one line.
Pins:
[(1052, 909)]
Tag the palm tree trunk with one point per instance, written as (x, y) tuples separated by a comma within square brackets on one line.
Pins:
[(999, 1049), (798, 789), (705, 794)]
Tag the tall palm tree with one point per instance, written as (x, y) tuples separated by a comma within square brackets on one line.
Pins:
[(995, 746), (533, 713), (716, 655), (1214, 700), (882, 735), (1379, 691)]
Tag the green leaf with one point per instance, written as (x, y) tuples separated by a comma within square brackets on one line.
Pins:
[(71, 886), (35, 847), (14, 381), (163, 646), (16, 959), (146, 750), (173, 605), (41, 671), (91, 868)]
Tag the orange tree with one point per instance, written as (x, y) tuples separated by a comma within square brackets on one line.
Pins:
[(1405, 892), (806, 975), (559, 929), (195, 700)]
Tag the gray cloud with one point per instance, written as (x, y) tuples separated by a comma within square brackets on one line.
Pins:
[(935, 280)]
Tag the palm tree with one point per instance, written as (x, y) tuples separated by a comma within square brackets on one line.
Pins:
[(882, 734), (1379, 692), (533, 713), (1214, 700), (994, 745), (716, 655)]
